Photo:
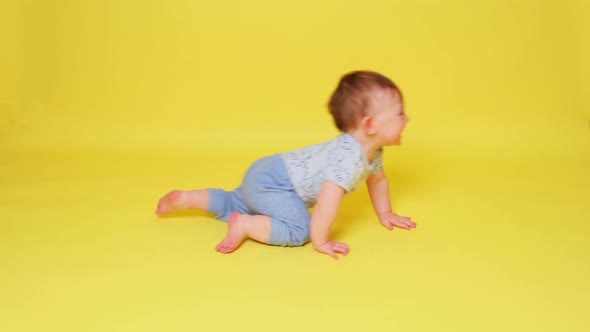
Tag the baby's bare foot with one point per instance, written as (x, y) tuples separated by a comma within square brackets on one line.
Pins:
[(172, 202), (235, 235)]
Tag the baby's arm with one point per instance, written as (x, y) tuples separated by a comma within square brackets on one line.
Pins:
[(323, 216), (379, 193)]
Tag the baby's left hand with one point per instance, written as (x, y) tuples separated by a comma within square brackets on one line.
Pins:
[(390, 219)]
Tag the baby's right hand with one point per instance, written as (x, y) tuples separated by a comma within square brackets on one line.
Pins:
[(332, 248), (390, 219)]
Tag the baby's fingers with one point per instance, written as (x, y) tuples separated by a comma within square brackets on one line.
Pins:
[(404, 222), (332, 254), (341, 248), (387, 224), (401, 223), (408, 221)]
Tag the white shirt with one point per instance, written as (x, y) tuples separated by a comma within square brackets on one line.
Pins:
[(340, 160)]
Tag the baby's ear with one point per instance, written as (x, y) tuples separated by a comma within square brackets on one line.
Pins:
[(368, 125)]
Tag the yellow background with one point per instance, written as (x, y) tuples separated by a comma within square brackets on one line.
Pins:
[(107, 105)]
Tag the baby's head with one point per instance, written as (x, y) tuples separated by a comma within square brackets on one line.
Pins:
[(369, 104)]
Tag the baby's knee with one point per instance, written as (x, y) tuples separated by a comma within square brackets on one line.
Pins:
[(299, 237), (286, 235)]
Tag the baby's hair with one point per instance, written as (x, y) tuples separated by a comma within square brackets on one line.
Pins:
[(352, 97)]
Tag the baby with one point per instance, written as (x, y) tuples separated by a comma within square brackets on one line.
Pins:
[(271, 205)]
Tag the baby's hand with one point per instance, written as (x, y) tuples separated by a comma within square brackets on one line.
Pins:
[(331, 248), (390, 219)]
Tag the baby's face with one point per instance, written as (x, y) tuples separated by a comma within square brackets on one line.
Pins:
[(390, 119)]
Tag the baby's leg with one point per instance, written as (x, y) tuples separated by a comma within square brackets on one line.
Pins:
[(288, 226), (181, 200), (275, 213), (243, 226)]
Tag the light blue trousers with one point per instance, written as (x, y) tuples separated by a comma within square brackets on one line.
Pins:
[(266, 190)]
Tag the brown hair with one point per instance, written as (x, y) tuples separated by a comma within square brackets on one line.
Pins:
[(352, 97)]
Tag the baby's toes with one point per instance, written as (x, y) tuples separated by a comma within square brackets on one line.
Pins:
[(218, 247)]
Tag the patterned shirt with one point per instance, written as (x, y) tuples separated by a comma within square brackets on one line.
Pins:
[(340, 160)]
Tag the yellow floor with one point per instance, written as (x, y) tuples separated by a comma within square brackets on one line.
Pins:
[(108, 105)]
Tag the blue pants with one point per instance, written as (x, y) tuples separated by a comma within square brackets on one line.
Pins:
[(266, 190)]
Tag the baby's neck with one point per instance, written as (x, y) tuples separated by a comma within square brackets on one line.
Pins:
[(368, 145)]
